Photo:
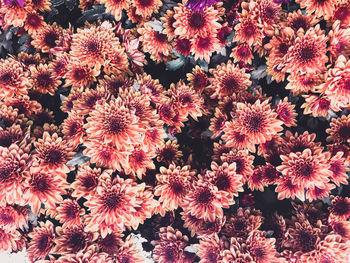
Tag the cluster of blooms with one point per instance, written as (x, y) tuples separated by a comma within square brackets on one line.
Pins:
[(94, 148)]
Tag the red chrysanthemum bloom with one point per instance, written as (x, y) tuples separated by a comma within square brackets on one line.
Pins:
[(169, 152), (53, 152), (13, 79), (173, 185), (113, 204), (256, 121), (286, 112), (248, 32), (203, 47), (228, 79), (44, 187), (80, 75), (42, 241), (225, 178), (71, 240), (305, 168), (205, 201), (69, 213), (116, 61), (116, 7), (308, 52), (337, 85), (154, 136), (47, 38), (341, 13), (320, 8), (340, 207), (146, 8), (340, 129), (92, 44), (189, 23)]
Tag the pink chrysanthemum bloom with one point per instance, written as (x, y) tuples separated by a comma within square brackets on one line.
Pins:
[(340, 207), (319, 192), (189, 23), (339, 167), (339, 131), (13, 79), (320, 8), (256, 180), (69, 213), (256, 121), (303, 82), (286, 112), (42, 79), (80, 75), (139, 160), (209, 249), (198, 79), (90, 254), (339, 39), (9, 240), (305, 168), (308, 52), (72, 128), (287, 189), (225, 178), (247, 31), (47, 38), (89, 98), (42, 241), (146, 8), (205, 201), (12, 218), (151, 87), (228, 79), (128, 252), (317, 106), (203, 47), (113, 203), (337, 85), (300, 142), (116, 7), (242, 53), (173, 185), (217, 123)]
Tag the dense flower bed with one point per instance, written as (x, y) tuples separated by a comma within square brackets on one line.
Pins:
[(213, 131)]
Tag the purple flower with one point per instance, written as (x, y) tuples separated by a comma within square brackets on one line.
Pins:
[(281, 1), (14, 2), (199, 5)]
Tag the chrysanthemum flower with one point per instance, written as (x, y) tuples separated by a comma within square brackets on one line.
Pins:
[(71, 240), (256, 180), (43, 80), (93, 43), (116, 83), (203, 47), (106, 155), (198, 79), (116, 7), (339, 167), (42, 241), (13, 79), (340, 207), (113, 123), (242, 223), (116, 61), (286, 112), (169, 152), (261, 248), (154, 136), (308, 52), (247, 31), (317, 106), (89, 254), (338, 147), (128, 252), (190, 23), (339, 41), (305, 168), (243, 161), (153, 42), (68, 103), (41, 5), (53, 152), (341, 13), (268, 15), (287, 189), (303, 82), (151, 87), (205, 201), (11, 135), (139, 160), (72, 128), (69, 213), (88, 100), (110, 243), (341, 227), (47, 38), (242, 53), (217, 123), (85, 5), (300, 142), (320, 8), (228, 79), (146, 8), (225, 178), (297, 20), (9, 240), (113, 203), (168, 25), (34, 22), (182, 46), (44, 187), (174, 184), (270, 146), (209, 249), (235, 139), (339, 130), (319, 192), (337, 85), (12, 218), (80, 75)]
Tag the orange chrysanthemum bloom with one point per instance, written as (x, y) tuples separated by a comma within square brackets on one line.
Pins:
[(242, 53), (247, 31), (113, 204), (135, 18), (47, 38), (315, 105), (42, 241), (113, 123), (173, 185), (337, 85), (228, 79), (305, 168), (13, 79), (225, 178), (303, 82), (300, 142), (209, 249), (12, 218), (115, 7), (205, 201), (90, 254), (198, 79), (116, 61), (308, 52), (53, 152), (339, 130), (151, 87), (339, 167), (286, 112), (169, 152), (189, 23), (72, 239), (297, 20), (43, 80), (154, 42), (320, 8), (58, 66), (339, 41), (93, 43), (88, 100), (256, 121), (146, 8), (169, 28), (69, 213), (34, 22), (44, 187), (139, 160), (72, 128), (268, 15), (340, 207), (203, 47), (80, 75)]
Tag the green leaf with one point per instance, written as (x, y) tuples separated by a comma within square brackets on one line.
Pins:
[(176, 64)]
